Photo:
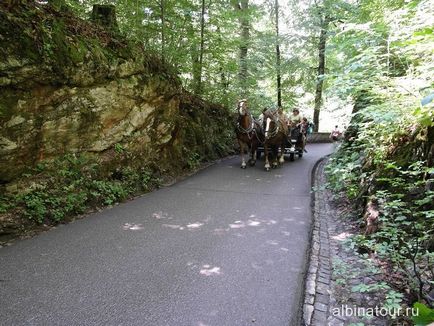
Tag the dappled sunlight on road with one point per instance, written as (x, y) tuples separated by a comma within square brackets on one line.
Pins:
[(207, 270), (252, 221), (247, 226), (173, 226), (237, 225), (190, 226), (133, 226), (161, 215), (194, 225)]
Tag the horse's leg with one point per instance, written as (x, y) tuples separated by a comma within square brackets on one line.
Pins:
[(282, 150), (267, 163), (253, 153), (275, 150), (243, 163)]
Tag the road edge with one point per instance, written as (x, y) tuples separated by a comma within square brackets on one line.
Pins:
[(170, 181), (317, 275)]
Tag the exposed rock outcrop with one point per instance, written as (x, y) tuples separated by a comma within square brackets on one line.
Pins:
[(70, 87)]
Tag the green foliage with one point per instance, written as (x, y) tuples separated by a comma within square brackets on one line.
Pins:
[(107, 192), (343, 273), (406, 220), (193, 161), (73, 184), (386, 156), (5, 205), (425, 315), (171, 29), (362, 288), (118, 148), (393, 300)]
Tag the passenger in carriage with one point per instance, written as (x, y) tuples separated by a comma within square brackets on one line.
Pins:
[(304, 126), (297, 130), (295, 118), (306, 129)]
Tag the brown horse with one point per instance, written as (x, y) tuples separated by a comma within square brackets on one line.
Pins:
[(276, 133), (249, 133)]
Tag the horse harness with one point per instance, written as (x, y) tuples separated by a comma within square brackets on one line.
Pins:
[(275, 131), (251, 130)]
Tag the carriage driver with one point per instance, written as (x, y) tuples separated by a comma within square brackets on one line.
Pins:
[(261, 116), (295, 118)]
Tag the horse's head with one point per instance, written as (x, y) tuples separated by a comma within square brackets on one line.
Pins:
[(271, 127), (242, 107)]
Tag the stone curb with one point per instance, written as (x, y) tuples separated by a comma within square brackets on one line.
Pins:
[(323, 295), (318, 278)]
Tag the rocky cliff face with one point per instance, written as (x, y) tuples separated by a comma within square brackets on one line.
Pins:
[(69, 87)]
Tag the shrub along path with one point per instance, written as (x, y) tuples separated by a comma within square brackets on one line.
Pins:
[(343, 287), (223, 247)]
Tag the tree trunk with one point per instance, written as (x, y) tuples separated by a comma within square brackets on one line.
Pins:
[(163, 29), (198, 71), (321, 71), (225, 85), (224, 82), (279, 87), (243, 7)]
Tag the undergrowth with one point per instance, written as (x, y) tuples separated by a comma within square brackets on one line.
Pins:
[(384, 171), (72, 184)]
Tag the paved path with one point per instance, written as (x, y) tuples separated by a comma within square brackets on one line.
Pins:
[(224, 247)]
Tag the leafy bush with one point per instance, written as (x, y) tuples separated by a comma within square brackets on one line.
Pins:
[(381, 163), (72, 184)]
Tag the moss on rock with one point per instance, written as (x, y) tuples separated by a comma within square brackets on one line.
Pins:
[(71, 91)]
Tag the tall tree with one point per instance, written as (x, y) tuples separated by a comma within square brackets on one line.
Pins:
[(163, 27), (278, 59), (198, 64), (243, 7), (321, 69)]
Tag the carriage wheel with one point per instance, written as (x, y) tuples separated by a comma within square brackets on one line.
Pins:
[(291, 157)]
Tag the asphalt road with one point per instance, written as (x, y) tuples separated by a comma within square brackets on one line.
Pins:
[(224, 247)]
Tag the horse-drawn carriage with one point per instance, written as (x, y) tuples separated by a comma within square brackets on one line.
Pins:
[(271, 136), (294, 146)]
